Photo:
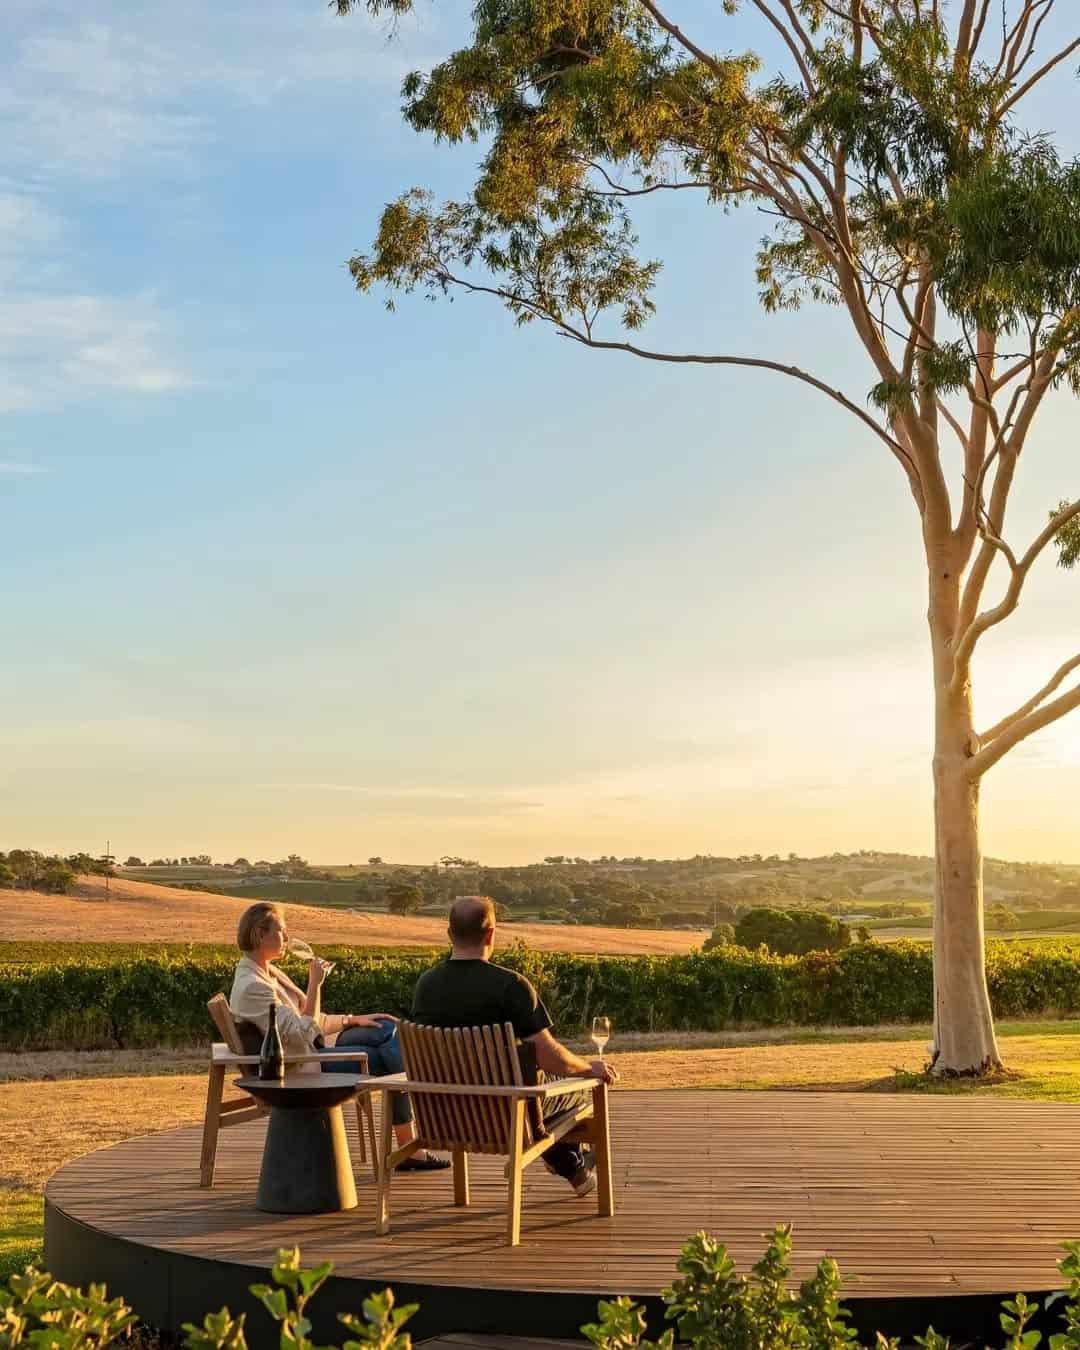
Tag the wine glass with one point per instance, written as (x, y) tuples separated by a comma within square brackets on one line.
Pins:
[(601, 1033), (303, 952)]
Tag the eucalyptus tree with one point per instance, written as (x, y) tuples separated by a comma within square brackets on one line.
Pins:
[(887, 145)]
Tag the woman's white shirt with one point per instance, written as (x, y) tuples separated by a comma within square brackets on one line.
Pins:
[(253, 991)]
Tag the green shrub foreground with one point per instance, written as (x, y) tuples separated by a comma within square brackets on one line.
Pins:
[(711, 1306), (155, 999)]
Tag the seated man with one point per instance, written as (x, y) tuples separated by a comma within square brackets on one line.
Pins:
[(470, 990)]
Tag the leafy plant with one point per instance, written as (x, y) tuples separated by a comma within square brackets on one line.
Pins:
[(380, 1328), (36, 1310), (715, 1308)]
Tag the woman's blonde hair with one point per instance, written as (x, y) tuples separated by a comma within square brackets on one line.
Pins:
[(254, 922)]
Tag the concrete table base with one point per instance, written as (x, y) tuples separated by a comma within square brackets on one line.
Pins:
[(306, 1168)]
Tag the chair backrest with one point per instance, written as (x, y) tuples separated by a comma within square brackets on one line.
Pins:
[(465, 1056), (221, 1013)]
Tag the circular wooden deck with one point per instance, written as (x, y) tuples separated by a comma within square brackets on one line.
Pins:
[(934, 1207)]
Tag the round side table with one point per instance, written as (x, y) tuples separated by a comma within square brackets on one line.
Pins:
[(306, 1168)]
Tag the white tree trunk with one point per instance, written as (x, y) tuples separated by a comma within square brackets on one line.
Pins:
[(964, 1040)]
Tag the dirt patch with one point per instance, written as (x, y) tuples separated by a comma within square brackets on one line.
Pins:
[(139, 911), (47, 1066)]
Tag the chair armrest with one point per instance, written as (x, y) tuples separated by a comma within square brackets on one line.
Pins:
[(491, 1089), (312, 1057), (557, 1086)]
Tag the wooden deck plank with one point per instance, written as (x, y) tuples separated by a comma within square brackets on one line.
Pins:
[(914, 1196)]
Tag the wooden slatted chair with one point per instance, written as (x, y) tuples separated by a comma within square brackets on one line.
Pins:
[(230, 1053), (469, 1096)]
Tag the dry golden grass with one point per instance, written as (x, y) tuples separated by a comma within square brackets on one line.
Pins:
[(45, 1125), (139, 911)]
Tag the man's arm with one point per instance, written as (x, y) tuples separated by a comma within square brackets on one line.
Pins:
[(555, 1059)]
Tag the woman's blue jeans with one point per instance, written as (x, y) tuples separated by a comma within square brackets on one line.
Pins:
[(383, 1050)]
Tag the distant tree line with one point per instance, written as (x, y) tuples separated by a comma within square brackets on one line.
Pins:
[(595, 897), (25, 869), (702, 892), (294, 866)]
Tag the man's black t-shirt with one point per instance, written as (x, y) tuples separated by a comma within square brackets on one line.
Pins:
[(477, 994)]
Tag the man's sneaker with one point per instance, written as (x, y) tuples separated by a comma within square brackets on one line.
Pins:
[(583, 1180)]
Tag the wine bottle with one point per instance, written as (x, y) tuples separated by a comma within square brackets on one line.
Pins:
[(271, 1056)]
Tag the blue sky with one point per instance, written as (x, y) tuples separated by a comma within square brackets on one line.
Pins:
[(282, 571)]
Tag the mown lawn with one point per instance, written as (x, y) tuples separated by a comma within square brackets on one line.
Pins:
[(57, 1106), (20, 1228)]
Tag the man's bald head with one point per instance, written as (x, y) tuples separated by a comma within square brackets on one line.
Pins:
[(472, 918)]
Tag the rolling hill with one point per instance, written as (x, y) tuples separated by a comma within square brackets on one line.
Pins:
[(139, 911)]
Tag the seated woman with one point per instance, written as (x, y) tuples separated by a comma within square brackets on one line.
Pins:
[(262, 937)]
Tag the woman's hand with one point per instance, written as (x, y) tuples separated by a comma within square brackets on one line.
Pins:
[(368, 1019), (318, 969)]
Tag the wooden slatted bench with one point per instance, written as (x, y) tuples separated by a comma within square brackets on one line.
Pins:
[(469, 1096)]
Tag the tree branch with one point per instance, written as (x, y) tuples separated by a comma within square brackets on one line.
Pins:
[(1008, 442), (584, 336), (1026, 726), (792, 45), (982, 419), (1040, 74), (1044, 693), (680, 37), (979, 26), (758, 363), (1019, 568)]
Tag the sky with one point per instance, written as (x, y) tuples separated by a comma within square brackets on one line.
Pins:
[(282, 572)]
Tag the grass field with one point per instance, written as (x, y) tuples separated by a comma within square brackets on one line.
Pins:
[(42, 951), (139, 912), (55, 1106)]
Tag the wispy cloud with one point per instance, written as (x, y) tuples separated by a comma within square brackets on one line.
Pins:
[(136, 89), (25, 469), (60, 346), (137, 95)]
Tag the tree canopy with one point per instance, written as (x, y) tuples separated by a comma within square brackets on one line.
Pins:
[(791, 932), (890, 159)]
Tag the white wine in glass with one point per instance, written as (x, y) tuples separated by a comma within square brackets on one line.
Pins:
[(601, 1033), (299, 948)]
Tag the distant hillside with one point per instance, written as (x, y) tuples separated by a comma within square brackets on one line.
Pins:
[(672, 893), (140, 912)]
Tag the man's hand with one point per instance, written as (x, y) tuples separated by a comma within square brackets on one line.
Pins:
[(605, 1071)]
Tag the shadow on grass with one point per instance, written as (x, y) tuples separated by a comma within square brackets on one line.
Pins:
[(1011, 1083)]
